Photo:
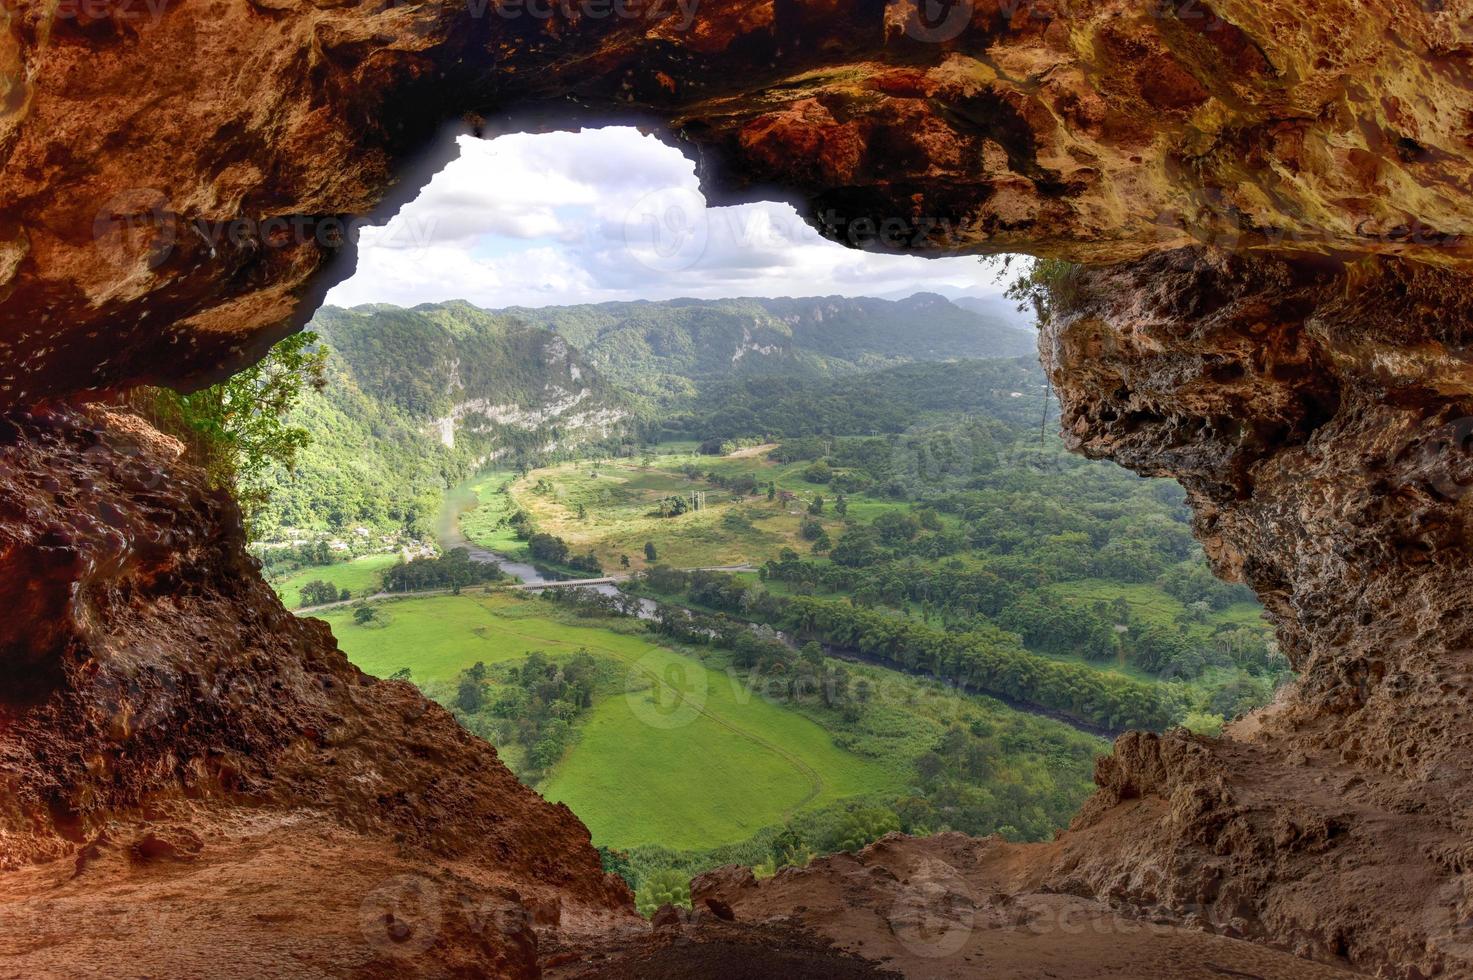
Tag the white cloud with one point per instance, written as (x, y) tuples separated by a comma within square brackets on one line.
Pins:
[(610, 214)]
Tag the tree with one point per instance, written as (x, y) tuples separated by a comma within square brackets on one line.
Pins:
[(319, 593), (667, 887), (364, 615), (841, 505), (242, 421), (649, 551), (863, 827), (547, 547), (816, 507), (623, 561), (470, 696)]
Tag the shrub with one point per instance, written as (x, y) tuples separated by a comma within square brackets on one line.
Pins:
[(668, 887)]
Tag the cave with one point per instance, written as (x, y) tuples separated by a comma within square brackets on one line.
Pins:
[(1267, 205)]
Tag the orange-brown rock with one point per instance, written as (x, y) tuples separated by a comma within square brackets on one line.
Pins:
[(1321, 421)]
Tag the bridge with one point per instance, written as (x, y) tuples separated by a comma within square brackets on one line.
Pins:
[(571, 583)]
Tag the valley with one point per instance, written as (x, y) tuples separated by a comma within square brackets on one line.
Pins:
[(840, 601)]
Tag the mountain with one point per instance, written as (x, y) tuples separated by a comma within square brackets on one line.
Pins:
[(890, 400), (467, 371), (419, 399), (997, 307), (663, 350)]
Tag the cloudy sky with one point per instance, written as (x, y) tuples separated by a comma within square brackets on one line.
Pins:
[(609, 215)]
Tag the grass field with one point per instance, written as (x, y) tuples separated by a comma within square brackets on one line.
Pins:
[(483, 523), (435, 637), (1153, 605), (679, 756), (619, 500), (359, 576)]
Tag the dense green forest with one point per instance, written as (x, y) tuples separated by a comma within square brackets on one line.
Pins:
[(415, 401), (887, 400), (418, 400)]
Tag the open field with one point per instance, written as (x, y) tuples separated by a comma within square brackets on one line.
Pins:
[(359, 576), (619, 501), (1153, 605), (482, 524), (680, 755)]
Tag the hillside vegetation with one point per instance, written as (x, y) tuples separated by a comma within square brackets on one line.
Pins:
[(927, 613), (417, 401), (665, 351)]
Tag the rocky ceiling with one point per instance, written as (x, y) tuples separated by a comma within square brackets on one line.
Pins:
[(182, 177), (1272, 201)]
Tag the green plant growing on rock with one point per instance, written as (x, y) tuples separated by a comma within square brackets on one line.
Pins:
[(238, 429), (668, 887)]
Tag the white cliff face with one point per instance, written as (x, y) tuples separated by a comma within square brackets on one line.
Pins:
[(480, 414), (748, 346)]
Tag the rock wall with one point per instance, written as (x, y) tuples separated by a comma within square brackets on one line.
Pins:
[(182, 178), (1320, 420)]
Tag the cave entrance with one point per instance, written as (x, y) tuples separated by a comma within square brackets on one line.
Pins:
[(675, 503)]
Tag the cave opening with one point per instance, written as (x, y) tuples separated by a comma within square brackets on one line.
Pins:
[(627, 482)]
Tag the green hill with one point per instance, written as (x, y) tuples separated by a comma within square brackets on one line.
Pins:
[(417, 400), (664, 350)]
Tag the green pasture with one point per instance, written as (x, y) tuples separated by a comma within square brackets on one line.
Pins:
[(359, 576), (681, 755)]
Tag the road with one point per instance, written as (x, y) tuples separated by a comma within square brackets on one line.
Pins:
[(534, 586)]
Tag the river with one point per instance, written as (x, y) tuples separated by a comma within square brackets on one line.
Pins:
[(449, 534)]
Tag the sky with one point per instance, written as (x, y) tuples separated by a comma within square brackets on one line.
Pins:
[(610, 214)]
